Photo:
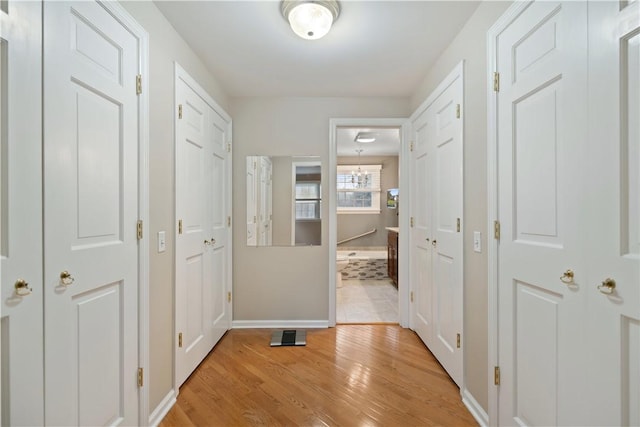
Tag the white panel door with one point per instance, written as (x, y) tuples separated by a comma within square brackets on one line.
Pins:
[(446, 211), (21, 213), (90, 215), (194, 172), (542, 119), (220, 251), (421, 233), (613, 186)]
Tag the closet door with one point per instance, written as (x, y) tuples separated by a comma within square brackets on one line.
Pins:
[(91, 163), (21, 213)]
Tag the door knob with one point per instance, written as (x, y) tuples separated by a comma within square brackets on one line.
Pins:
[(22, 288), (607, 286), (434, 243), (213, 241), (206, 242), (567, 277), (66, 278)]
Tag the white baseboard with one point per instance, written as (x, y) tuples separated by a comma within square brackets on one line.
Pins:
[(474, 407), (280, 324), (163, 408)]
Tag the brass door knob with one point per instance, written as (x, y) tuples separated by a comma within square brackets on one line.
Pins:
[(22, 288), (567, 277), (66, 278), (607, 286)]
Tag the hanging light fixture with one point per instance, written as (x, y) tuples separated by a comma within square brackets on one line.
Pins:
[(359, 178), (365, 137), (310, 19)]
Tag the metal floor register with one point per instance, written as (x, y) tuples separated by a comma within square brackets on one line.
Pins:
[(289, 337)]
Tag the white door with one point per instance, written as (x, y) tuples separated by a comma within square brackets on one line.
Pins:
[(446, 212), (436, 237), (21, 213), (613, 186), (542, 118), (194, 174), (220, 251), (421, 233), (90, 216)]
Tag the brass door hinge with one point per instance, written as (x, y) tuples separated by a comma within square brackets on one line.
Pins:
[(496, 229), (411, 296), (411, 221), (179, 226), (229, 296), (140, 377), (496, 82), (496, 375), (458, 225), (180, 340), (139, 229), (179, 111), (411, 146), (457, 111), (457, 340), (228, 221), (138, 84)]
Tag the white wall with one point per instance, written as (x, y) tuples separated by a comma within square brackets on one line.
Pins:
[(288, 283), (470, 45), (165, 46)]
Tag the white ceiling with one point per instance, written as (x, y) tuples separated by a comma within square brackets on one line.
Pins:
[(387, 142), (375, 48)]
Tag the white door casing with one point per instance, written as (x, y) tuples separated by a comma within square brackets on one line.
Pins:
[(91, 148), (203, 243), (436, 236), (21, 214)]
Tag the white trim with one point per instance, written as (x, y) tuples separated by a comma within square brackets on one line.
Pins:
[(492, 202), (475, 408), (403, 219), (142, 37), (456, 73), (271, 324), (163, 408)]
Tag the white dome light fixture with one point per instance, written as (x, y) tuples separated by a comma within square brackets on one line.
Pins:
[(310, 19), (365, 137)]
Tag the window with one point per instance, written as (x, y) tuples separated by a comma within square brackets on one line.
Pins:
[(358, 194), (307, 200)]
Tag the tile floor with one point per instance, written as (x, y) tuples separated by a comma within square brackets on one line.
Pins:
[(365, 301)]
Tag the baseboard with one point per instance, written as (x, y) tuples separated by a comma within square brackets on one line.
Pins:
[(280, 324), (163, 408), (474, 407)]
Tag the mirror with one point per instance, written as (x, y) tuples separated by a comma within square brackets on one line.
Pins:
[(284, 201)]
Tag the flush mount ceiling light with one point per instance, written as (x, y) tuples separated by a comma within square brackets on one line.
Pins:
[(310, 19), (365, 137)]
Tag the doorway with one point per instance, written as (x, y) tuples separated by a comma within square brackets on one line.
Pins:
[(366, 181)]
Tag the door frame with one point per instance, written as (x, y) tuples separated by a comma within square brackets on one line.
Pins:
[(492, 201), (403, 218), (181, 74)]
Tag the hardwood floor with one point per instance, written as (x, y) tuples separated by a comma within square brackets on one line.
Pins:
[(350, 375)]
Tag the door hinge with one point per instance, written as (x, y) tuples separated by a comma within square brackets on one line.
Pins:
[(457, 111), (496, 229), (411, 146), (228, 147), (180, 340), (179, 226), (457, 340), (496, 82), (138, 84), (229, 296), (179, 111), (140, 377), (458, 225), (139, 229), (496, 375), (228, 221), (411, 222), (411, 296)]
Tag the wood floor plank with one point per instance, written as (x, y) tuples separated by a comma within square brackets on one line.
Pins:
[(374, 375)]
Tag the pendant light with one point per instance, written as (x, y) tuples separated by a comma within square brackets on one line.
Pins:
[(310, 19), (361, 180)]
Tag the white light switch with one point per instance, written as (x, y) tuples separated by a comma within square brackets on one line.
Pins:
[(162, 241), (477, 241)]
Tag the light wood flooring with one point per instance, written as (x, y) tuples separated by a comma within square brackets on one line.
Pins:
[(350, 375)]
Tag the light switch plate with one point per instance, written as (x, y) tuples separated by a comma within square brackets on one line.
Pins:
[(477, 241), (162, 241)]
